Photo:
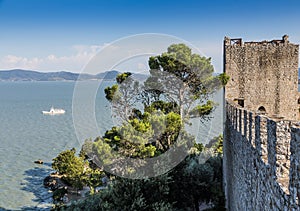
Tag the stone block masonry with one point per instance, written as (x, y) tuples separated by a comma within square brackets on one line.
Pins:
[(261, 161), (262, 136), (263, 76)]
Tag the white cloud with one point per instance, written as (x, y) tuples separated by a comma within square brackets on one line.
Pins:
[(82, 54), (11, 61), (74, 62)]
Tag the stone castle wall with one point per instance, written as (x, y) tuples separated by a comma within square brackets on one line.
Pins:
[(263, 74), (261, 162)]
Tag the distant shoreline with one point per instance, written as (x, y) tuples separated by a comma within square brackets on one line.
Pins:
[(29, 75)]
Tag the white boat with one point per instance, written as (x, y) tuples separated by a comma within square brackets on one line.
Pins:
[(54, 111)]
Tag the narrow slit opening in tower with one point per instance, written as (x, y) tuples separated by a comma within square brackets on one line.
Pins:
[(241, 103)]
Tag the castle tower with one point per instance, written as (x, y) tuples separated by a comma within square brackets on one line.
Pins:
[(263, 76)]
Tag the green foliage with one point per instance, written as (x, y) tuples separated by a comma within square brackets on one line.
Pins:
[(132, 138), (147, 151), (92, 178), (195, 182), (86, 149), (169, 102), (199, 146), (103, 151), (75, 170), (203, 110), (67, 163), (112, 136), (110, 92), (183, 188), (185, 78), (91, 203), (219, 145), (70, 166), (123, 96), (165, 107), (122, 77), (180, 60), (216, 186), (216, 144), (188, 81), (127, 194), (224, 78)]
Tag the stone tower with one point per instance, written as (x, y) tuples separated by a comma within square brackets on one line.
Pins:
[(263, 76)]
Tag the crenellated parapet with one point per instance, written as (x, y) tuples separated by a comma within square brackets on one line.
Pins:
[(261, 161), (239, 42)]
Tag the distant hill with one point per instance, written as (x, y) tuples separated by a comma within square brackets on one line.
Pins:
[(29, 75), (108, 75)]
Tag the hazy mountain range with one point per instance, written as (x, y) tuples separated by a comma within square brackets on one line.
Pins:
[(29, 75)]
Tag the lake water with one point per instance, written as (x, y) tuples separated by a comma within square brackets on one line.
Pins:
[(27, 135)]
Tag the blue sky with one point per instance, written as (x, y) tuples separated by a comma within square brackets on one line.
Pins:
[(51, 35)]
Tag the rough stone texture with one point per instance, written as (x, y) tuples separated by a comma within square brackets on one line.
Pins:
[(262, 146), (261, 162), (263, 74)]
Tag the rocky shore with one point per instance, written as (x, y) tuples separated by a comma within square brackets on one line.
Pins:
[(62, 192)]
